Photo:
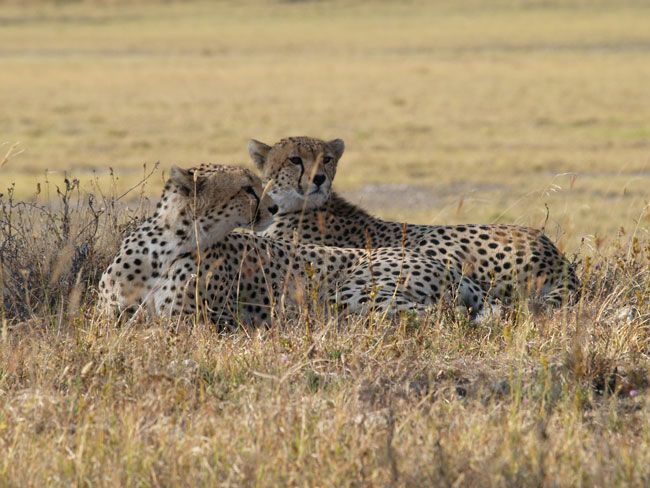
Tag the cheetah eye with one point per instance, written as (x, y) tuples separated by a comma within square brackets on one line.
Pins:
[(249, 190), (327, 159), (296, 160)]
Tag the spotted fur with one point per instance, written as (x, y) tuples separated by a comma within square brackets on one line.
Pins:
[(191, 211), (507, 261), (187, 259)]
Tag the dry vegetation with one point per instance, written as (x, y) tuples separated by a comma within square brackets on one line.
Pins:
[(528, 400), (466, 111)]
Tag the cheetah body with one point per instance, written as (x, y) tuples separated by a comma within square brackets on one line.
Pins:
[(188, 259), (507, 261), (187, 214), (248, 278)]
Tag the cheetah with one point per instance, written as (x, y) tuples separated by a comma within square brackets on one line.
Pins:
[(189, 259), (507, 261)]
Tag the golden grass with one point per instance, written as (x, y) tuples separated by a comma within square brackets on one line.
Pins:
[(526, 400), (557, 401), (487, 111)]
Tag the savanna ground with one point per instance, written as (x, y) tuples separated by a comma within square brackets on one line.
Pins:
[(535, 113)]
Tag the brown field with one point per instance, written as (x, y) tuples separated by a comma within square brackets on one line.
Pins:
[(529, 112)]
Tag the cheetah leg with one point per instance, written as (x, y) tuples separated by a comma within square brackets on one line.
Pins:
[(467, 296), (566, 289), (559, 296), (359, 299), (457, 290), (481, 305)]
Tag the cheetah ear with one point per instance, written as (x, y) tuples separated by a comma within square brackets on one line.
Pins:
[(184, 179), (258, 152), (337, 146)]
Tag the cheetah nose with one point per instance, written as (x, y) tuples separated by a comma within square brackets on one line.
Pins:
[(273, 209), (319, 179)]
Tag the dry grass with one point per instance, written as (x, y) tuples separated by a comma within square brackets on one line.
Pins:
[(484, 111), (543, 402), (523, 401)]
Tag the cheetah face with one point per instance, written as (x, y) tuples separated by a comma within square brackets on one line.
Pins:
[(301, 170), (218, 199)]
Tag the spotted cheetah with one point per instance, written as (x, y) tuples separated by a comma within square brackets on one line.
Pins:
[(188, 214), (187, 259), (507, 261)]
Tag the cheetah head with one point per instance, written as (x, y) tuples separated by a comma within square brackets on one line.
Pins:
[(302, 170), (215, 199)]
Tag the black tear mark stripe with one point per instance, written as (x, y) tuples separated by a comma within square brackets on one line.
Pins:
[(302, 173), (257, 199)]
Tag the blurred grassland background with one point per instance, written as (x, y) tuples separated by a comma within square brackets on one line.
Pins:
[(452, 111)]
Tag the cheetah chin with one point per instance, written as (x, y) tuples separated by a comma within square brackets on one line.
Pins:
[(298, 199), (260, 224)]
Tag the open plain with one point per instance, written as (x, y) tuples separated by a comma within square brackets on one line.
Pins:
[(527, 112)]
